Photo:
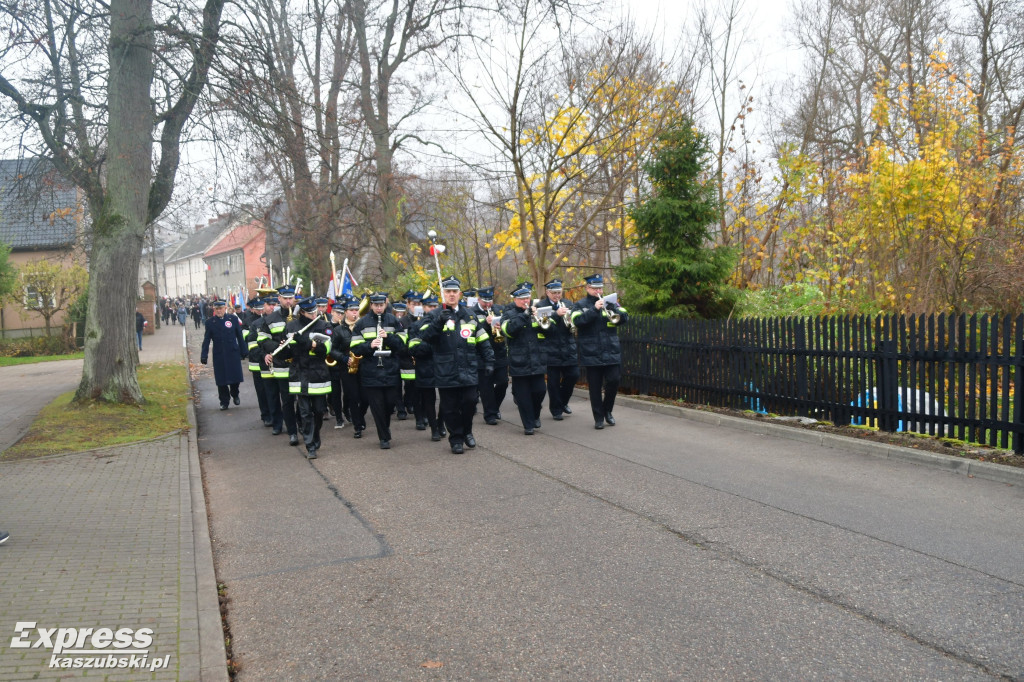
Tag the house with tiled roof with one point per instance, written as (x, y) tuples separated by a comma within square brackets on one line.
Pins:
[(184, 267), (235, 260), (42, 216)]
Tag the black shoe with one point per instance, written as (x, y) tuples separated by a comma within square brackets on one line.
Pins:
[(491, 421), (435, 435), (385, 445), (224, 406), (599, 424), (557, 417), (311, 453), (420, 426), (442, 431), (402, 416), (268, 423), (457, 449), (358, 433), (610, 419), (276, 432), (536, 423), (235, 400), (566, 410), (293, 439), (470, 441), (528, 432), (340, 425)]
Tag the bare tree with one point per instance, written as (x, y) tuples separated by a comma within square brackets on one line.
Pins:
[(97, 125), (283, 76), (390, 38)]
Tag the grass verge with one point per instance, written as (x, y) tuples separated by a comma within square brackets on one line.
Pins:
[(7, 362), (64, 426)]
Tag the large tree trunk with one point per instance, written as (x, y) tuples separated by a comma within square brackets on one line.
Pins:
[(119, 221)]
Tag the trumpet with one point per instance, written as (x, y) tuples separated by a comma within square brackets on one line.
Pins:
[(543, 321), (611, 306), (569, 323), (495, 325)]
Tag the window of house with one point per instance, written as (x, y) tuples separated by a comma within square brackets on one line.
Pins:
[(33, 299)]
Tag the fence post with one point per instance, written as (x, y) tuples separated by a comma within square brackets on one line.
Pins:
[(887, 391), (800, 343), (1018, 387)]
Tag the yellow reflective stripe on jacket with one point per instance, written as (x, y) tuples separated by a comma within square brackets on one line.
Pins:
[(316, 388)]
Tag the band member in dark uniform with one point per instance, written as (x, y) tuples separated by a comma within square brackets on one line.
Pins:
[(309, 341), (407, 367), (350, 403), (280, 364), (560, 351), (493, 387), (426, 394), (597, 335), (253, 318), (456, 346), (526, 363), (378, 340)]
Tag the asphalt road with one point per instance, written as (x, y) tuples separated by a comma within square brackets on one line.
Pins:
[(657, 549)]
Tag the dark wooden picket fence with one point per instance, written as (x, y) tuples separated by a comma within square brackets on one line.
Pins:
[(947, 376)]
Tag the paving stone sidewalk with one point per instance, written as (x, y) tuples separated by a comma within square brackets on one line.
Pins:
[(114, 538)]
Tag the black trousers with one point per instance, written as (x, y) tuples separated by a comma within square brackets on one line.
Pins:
[(426, 406), (226, 392), (561, 381), (312, 408), (382, 403), (458, 405), (606, 378), (334, 398), (409, 395), (493, 390), (529, 394), (277, 394), (353, 405), (261, 396)]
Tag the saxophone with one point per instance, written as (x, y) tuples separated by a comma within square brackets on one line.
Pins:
[(353, 359)]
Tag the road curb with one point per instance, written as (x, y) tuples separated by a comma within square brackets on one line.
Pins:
[(960, 465), (212, 653)]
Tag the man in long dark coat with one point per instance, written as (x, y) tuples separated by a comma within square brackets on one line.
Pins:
[(229, 349)]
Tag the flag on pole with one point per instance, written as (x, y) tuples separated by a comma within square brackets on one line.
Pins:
[(348, 282), (331, 294)]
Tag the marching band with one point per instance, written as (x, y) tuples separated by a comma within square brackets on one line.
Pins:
[(437, 359)]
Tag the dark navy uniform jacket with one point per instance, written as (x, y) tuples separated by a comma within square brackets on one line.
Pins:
[(229, 348), (596, 335)]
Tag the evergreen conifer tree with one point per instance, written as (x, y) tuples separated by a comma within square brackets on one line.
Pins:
[(678, 273)]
